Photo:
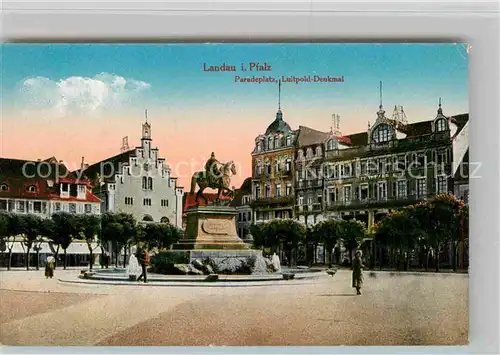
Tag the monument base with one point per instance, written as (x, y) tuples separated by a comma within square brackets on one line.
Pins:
[(209, 228), (211, 239)]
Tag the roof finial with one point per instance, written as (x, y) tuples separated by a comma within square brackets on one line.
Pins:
[(440, 110), (380, 89), (279, 94), (381, 111), (146, 114)]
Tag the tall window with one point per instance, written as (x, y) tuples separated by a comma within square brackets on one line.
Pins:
[(278, 166), (288, 189), (268, 191), (88, 208), (441, 185), (331, 144), (347, 193), (421, 187), (259, 146), (301, 200), (363, 192), (332, 195), (382, 190), (319, 152), (270, 143), (401, 189), (288, 140), (257, 192), (309, 153), (150, 183), (144, 183), (278, 190), (288, 164), (441, 125), (381, 133)]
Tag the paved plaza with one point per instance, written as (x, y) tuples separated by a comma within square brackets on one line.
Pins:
[(394, 309)]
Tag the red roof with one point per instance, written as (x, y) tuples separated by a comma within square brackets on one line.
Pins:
[(343, 139), (189, 200)]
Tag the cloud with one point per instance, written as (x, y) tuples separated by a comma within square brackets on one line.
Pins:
[(80, 95)]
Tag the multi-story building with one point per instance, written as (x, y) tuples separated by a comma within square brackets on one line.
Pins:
[(138, 182), (272, 171), (391, 165), (241, 201), (43, 188)]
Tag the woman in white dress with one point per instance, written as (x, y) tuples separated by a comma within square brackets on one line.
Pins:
[(50, 266), (133, 268)]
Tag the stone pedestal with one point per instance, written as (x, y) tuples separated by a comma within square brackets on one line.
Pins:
[(210, 237), (211, 228)]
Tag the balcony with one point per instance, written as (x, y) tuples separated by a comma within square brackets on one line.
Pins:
[(307, 184), (271, 201), (372, 202)]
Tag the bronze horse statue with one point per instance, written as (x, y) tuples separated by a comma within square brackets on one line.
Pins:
[(220, 182)]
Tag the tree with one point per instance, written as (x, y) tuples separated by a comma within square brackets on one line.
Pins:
[(46, 232), (329, 233), (4, 232), (8, 230), (287, 232), (351, 233), (30, 228), (89, 226), (65, 230), (119, 229), (161, 235)]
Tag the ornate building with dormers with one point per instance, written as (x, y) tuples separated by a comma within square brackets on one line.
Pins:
[(272, 171)]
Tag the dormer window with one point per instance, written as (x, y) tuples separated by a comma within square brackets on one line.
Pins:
[(381, 133), (331, 144), (309, 153), (270, 143), (259, 146), (300, 154), (441, 125), (288, 140), (31, 188), (319, 152), (4, 187)]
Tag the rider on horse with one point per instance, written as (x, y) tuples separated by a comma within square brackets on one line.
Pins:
[(212, 170)]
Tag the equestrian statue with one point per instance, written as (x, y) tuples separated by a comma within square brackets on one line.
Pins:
[(216, 176)]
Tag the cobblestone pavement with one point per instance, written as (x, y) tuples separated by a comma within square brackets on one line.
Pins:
[(394, 309)]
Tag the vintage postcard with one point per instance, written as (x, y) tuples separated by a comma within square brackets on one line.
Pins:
[(308, 194)]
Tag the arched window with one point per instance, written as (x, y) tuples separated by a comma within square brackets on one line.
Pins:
[(144, 183), (150, 183), (300, 154), (277, 140), (319, 152), (309, 153), (441, 125), (4, 187), (381, 133), (164, 220), (147, 218), (270, 143), (31, 188)]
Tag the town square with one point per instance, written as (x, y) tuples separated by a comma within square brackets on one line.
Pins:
[(235, 213)]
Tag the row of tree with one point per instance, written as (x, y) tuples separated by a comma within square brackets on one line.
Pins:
[(59, 231), (425, 228), (289, 234)]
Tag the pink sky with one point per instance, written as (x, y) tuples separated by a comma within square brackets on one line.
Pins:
[(185, 138)]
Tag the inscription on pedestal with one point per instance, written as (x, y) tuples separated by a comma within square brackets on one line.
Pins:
[(219, 227)]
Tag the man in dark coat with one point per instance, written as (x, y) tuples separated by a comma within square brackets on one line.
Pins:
[(143, 259), (357, 272)]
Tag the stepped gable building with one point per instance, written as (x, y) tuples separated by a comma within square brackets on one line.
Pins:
[(44, 187), (138, 182), (391, 165), (272, 171), (241, 201)]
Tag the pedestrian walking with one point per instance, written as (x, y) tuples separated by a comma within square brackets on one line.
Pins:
[(143, 258), (357, 272), (49, 266)]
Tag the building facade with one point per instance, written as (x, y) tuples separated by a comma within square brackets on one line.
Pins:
[(43, 188), (138, 182), (273, 194), (244, 218), (391, 165)]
